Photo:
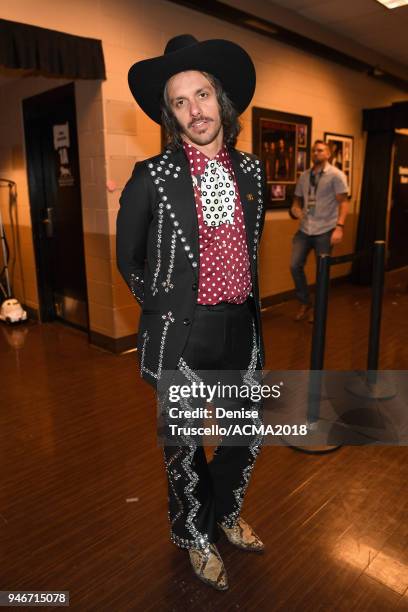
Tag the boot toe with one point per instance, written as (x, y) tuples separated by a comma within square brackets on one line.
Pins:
[(209, 567)]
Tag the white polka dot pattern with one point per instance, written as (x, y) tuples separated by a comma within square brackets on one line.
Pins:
[(217, 195)]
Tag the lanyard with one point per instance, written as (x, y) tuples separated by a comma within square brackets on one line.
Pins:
[(314, 181)]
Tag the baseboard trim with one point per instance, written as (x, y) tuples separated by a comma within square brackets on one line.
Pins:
[(113, 345), (126, 343), (277, 298), (32, 313)]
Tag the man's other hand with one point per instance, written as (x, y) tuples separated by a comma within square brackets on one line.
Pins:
[(337, 236)]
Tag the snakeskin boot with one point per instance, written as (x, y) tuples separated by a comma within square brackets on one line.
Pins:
[(209, 567), (243, 536)]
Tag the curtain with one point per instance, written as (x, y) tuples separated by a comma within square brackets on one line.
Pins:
[(373, 205), (49, 52)]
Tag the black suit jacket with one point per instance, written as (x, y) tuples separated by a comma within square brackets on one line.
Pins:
[(157, 250)]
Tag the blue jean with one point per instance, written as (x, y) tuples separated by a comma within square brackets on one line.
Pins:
[(302, 244)]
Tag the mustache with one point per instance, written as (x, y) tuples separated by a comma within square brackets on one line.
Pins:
[(198, 121)]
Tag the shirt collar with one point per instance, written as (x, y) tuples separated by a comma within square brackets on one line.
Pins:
[(324, 169), (198, 160)]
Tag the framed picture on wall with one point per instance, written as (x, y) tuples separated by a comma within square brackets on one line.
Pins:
[(282, 141), (341, 147), (278, 192), (302, 135), (300, 162)]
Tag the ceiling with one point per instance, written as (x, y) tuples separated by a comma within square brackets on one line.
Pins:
[(366, 22)]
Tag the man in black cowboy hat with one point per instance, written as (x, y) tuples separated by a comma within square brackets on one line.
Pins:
[(188, 232)]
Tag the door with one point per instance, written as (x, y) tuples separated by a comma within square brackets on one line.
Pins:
[(55, 201), (398, 229)]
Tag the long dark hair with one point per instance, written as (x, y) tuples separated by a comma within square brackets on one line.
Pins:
[(229, 117)]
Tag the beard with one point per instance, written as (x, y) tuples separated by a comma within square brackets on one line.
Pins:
[(208, 134)]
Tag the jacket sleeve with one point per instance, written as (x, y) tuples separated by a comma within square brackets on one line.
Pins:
[(132, 225)]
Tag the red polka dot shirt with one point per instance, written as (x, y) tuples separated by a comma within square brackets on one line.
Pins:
[(224, 263)]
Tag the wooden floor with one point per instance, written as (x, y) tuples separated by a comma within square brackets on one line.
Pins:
[(83, 502)]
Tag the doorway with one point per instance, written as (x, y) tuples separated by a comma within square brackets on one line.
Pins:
[(55, 200), (398, 228)]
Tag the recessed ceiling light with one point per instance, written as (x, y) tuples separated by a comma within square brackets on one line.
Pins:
[(392, 4)]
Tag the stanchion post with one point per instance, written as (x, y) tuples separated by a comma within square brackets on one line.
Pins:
[(375, 385), (377, 290), (320, 312), (317, 354), (319, 337)]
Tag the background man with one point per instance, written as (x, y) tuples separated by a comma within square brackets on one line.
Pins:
[(321, 203)]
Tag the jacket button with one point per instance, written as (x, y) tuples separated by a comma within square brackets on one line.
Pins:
[(186, 321), (194, 286)]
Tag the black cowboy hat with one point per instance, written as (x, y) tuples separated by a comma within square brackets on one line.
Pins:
[(224, 59)]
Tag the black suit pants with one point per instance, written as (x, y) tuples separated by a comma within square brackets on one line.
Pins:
[(204, 494)]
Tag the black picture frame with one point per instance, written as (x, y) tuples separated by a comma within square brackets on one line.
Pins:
[(282, 141)]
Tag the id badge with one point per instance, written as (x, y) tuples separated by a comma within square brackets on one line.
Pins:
[(311, 204)]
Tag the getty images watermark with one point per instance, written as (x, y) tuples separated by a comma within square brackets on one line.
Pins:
[(184, 420), (214, 405), (219, 390), (295, 407)]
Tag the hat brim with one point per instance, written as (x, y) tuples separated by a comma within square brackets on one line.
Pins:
[(224, 59)]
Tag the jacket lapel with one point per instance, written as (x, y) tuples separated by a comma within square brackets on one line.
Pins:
[(248, 194), (180, 204)]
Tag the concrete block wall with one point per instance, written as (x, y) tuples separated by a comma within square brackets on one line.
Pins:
[(114, 133)]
